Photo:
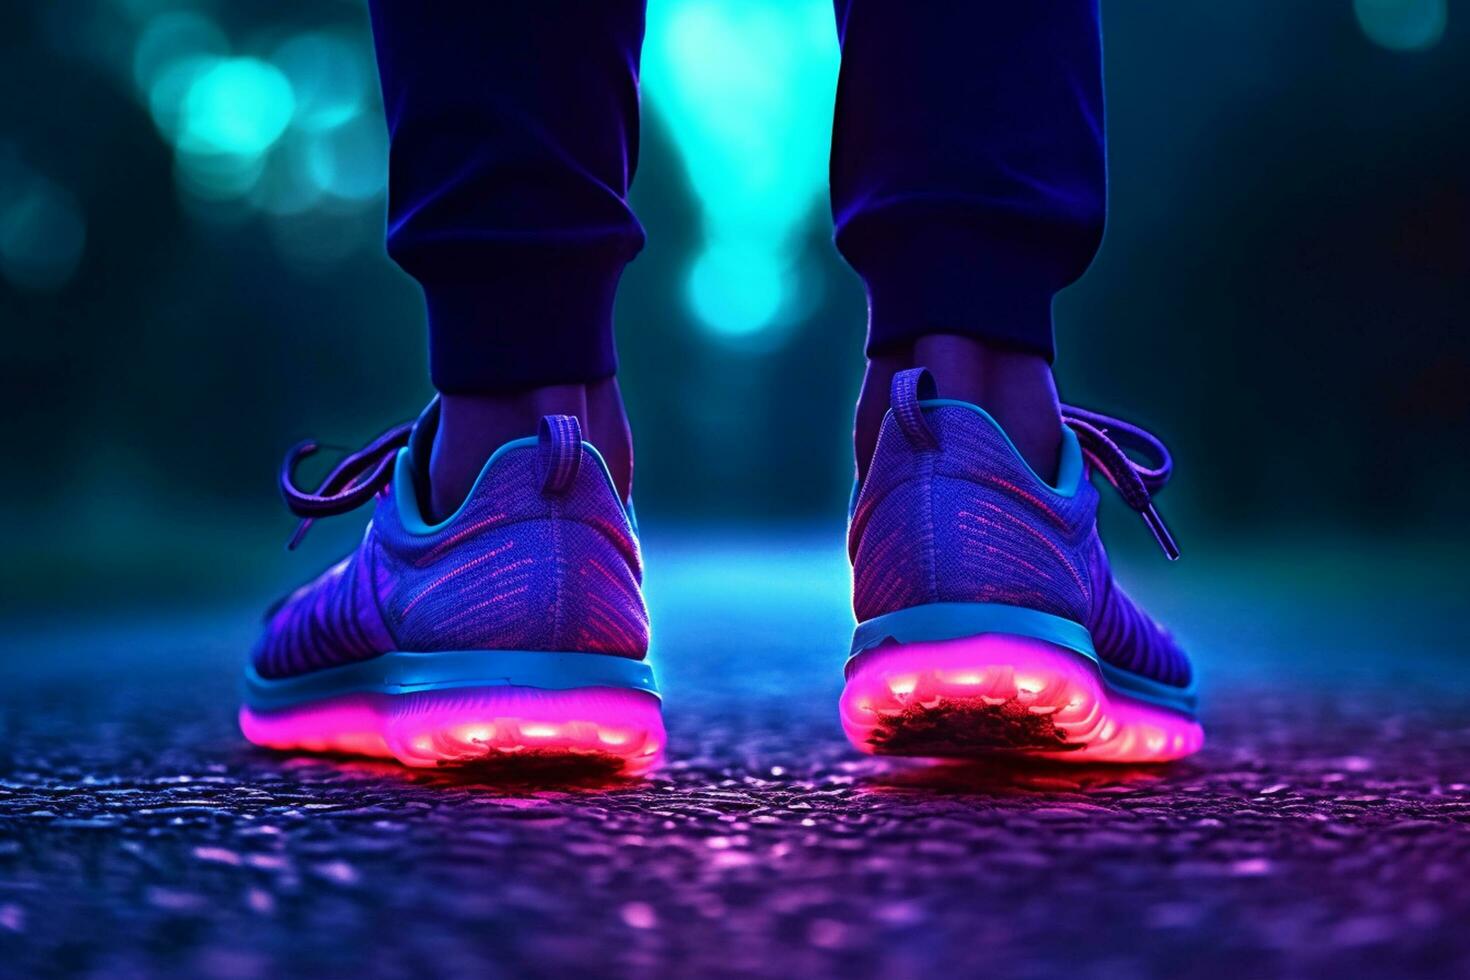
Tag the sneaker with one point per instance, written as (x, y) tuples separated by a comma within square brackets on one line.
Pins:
[(988, 617), (513, 630)]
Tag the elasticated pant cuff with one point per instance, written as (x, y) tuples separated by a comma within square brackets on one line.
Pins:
[(528, 327), (952, 280)]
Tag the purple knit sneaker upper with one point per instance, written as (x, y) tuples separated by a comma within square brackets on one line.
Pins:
[(541, 556), (950, 512)]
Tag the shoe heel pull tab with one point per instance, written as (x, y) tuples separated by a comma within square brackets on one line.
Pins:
[(558, 454), (908, 389)]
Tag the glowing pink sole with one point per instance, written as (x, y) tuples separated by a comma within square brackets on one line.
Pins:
[(995, 693), (620, 730)]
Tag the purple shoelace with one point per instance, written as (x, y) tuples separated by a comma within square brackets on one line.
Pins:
[(357, 478), (363, 474), (1104, 441), (350, 484)]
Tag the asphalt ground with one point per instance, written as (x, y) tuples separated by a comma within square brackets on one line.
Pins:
[(1324, 830)]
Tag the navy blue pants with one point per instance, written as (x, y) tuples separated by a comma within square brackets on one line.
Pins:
[(968, 177)]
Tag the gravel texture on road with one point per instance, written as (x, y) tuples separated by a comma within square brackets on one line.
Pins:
[(1325, 829)]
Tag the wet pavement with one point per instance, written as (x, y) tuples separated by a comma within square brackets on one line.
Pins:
[(1324, 831)]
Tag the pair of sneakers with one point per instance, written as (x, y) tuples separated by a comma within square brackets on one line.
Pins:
[(515, 629)]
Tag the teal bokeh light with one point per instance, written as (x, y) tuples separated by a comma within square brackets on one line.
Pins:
[(746, 88), (224, 115), (350, 161), (328, 78), (42, 233), (1402, 25), (737, 289), (237, 106), (286, 187), (172, 38), (219, 176)]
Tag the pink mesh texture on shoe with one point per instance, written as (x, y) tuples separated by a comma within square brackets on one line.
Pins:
[(968, 521), (965, 523), (519, 568), (1125, 636)]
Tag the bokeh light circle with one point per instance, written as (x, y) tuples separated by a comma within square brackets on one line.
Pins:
[(42, 235), (736, 289), (1402, 25), (287, 187), (328, 78), (350, 161), (236, 106), (169, 88), (218, 176), (171, 38), (745, 88)]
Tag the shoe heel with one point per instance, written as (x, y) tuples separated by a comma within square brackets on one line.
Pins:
[(997, 693), (619, 730), (593, 728)]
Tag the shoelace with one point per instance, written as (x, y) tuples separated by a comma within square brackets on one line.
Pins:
[(351, 483), (360, 475), (1103, 440)]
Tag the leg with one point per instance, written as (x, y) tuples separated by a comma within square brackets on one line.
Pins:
[(492, 611), (968, 187), (514, 136)]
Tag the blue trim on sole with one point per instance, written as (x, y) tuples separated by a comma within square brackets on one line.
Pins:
[(409, 673), (957, 620), (940, 621), (1140, 688)]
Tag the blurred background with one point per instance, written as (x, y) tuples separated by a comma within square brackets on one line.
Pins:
[(192, 277)]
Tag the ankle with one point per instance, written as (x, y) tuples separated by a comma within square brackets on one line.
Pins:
[(873, 404), (472, 427), (1016, 388)]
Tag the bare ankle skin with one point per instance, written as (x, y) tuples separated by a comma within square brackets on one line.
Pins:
[(873, 403), (1016, 388), (472, 427)]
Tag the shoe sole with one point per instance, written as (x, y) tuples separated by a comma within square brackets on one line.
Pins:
[(1003, 694), (517, 710)]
